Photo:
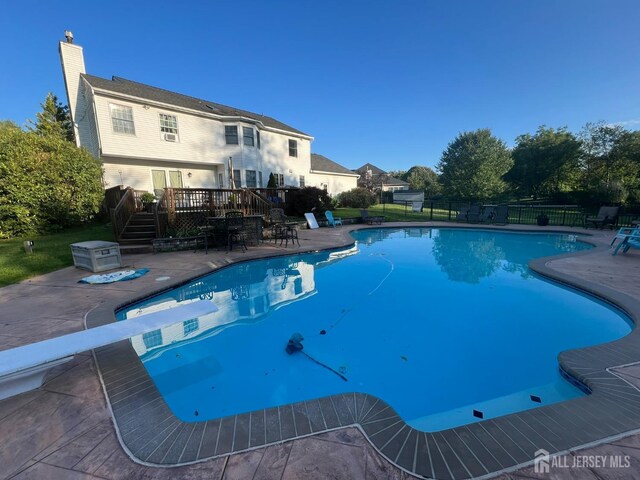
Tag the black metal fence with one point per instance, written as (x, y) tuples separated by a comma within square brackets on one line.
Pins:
[(527, 214)]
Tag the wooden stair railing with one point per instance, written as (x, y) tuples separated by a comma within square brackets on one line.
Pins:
[(122, 213)]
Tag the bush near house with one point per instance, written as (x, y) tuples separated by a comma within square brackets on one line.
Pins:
[(310, 199), (46, 182), (357, 198)]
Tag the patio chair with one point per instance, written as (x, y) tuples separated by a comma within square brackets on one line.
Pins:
[(235, 230), (206, 231), (487, 214), (473, 215), (500, 215), (607, 216), (333, 221), (462, 214), (277, 220), (368, 219), (630, 241)]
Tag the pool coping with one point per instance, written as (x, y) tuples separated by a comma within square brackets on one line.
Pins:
[(152, 435)]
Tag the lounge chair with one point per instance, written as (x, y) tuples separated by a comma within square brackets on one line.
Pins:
[(631, 240), (500, 215), (487, 214), (370, 220), (333, 221), (416, 207), (607, 216)]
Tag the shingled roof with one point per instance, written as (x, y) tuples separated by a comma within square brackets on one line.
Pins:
[(320, 163), (123, 86), (368, 166), (377, 172)]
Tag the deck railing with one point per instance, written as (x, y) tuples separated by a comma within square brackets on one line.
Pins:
[(122, 213), (184, 209)]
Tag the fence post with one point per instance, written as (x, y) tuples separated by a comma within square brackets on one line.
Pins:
[(564, 214), (449, 211), (519, 214), (431, 210)]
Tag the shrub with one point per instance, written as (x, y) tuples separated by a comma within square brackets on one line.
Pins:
[(46, 183), (310, 199), (357, 198)]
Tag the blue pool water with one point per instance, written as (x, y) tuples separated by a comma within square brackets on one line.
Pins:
[(436, 322)]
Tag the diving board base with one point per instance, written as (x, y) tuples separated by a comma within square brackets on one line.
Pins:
[(29, 379)]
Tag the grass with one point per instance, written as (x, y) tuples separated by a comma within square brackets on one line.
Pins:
[(50, 252), (392, 213)]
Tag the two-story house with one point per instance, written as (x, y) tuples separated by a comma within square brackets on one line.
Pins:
[(149, 138)]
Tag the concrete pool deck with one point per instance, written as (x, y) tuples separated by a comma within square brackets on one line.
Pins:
[(65, 430)]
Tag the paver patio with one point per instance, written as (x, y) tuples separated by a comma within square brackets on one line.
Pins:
[(65, 430)]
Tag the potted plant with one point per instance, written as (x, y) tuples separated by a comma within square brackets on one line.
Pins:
[(542, 220), (148, 200)]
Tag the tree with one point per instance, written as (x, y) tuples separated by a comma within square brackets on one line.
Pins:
[(472, 166), (423, 178), (397, 173), (272, 181), (545, 163), (54, 119), (599, 166), (46, 182)]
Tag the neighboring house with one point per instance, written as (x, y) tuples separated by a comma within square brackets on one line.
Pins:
[(374, 177), (149, 138), (331, 176)]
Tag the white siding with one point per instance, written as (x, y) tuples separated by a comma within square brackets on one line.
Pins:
[(335, 183), (79, 98), (200, 141), (137, 173)]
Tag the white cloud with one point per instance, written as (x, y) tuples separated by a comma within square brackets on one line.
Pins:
[(626, 123)]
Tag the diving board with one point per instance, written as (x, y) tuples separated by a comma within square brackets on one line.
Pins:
[(24, 368)]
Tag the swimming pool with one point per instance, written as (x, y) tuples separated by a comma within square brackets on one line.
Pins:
[(439, 323)]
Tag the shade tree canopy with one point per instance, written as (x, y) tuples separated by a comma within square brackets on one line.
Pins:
[(472, 166), (544, 163)]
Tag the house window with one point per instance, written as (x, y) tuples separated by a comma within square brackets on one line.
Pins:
[(190, 326), (293, 148), (231, 134), (237, 179), (168, 124), (122, 119), (247, 136), (302, 184), (260, 175), (220, 180), (279, 179), (250, 178), (152, 339), (258, 137)]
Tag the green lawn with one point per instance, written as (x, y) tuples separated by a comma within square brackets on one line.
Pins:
[(50, 252), (392, 213)]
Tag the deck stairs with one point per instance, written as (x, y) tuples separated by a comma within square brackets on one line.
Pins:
[(138, 234)]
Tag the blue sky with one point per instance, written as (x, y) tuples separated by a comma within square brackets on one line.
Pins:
[(386, 82)]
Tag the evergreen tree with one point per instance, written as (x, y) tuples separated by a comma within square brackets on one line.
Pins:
[(54, 119)]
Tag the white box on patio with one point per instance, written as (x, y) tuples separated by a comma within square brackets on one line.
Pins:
[(96, 255)]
